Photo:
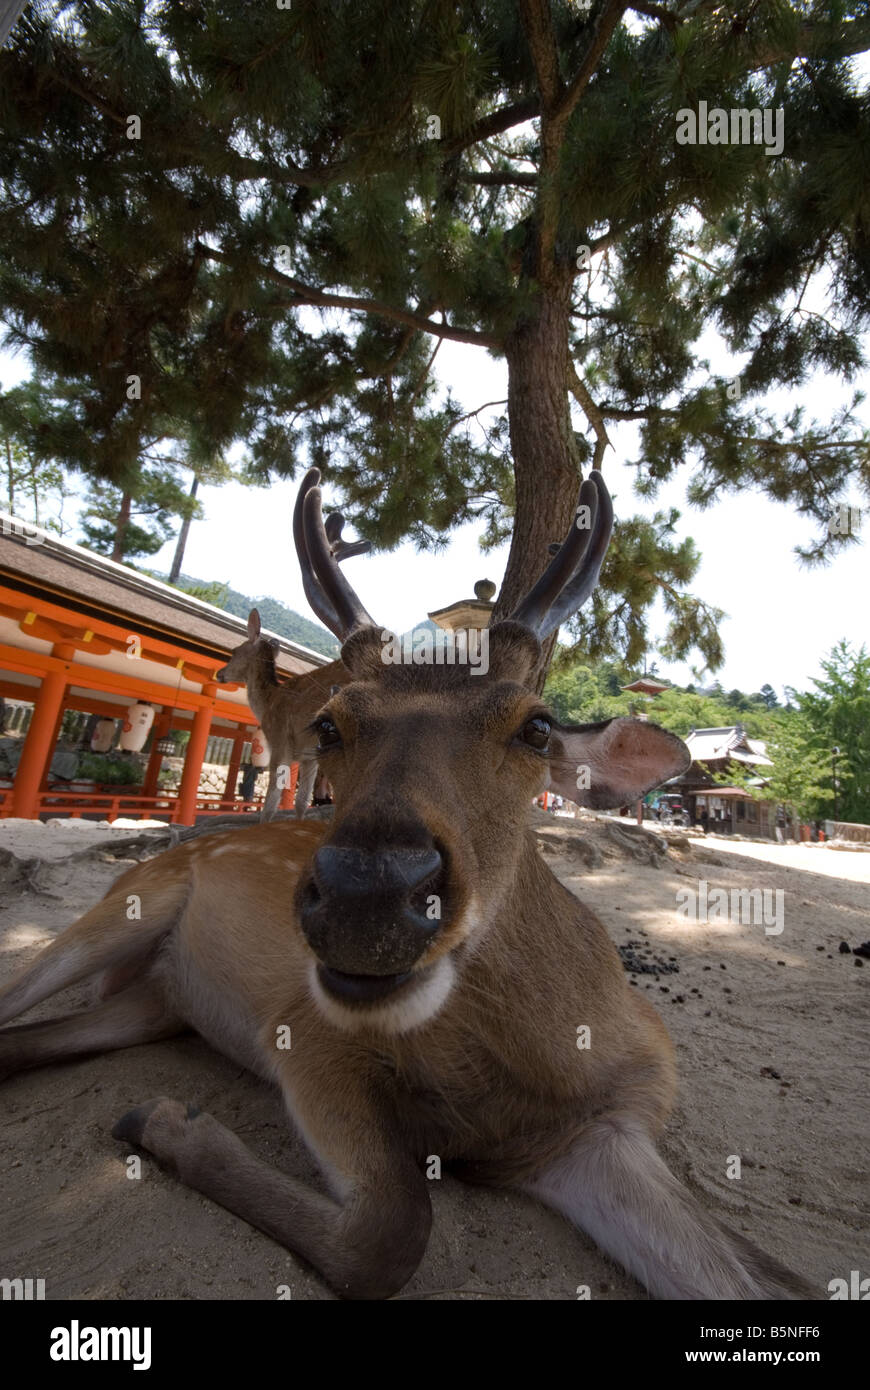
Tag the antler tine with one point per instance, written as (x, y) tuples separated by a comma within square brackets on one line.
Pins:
[(342, 550), (317, 599), (579, 588), (533, 609), (345, 606), (573, 572)]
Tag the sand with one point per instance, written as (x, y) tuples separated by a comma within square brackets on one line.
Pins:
[(771, 1039)]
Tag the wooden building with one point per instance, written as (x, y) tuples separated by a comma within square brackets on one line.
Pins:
[(80, 632), (728, 810)]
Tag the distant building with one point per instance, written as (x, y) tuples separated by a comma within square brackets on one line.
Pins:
[(728, 810), (646, 685)]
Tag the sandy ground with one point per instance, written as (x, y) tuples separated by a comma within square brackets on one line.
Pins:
[(771, 1039)]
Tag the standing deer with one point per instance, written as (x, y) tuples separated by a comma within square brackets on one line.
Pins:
[(285, 710), (432, 971)]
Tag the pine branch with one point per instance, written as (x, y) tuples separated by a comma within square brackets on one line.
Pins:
[(670, 20), (815, 40), (592, 413), (307, 294), (538, 28), (557, 104), (509, 178), (472, 414), (605, 24)]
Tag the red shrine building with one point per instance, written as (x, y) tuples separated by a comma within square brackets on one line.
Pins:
[(80, 632)]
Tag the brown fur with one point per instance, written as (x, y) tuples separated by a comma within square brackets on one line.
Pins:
[(284, 709)]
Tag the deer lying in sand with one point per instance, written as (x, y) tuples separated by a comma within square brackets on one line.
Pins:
[(431, 969), (285, 710)]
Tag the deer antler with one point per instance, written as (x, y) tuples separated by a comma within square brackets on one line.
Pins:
[(342, 550), (320, 549), (573, 572)]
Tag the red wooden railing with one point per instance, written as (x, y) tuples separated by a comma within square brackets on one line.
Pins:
[(114, 804)]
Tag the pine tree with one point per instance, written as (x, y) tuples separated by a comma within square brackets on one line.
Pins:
[(32, 487), (186, 185)]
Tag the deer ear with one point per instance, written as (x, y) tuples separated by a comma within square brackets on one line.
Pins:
[(253, 625), (615, 762)]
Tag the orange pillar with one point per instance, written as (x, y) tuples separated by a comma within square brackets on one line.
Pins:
[(232, 781), (155, 760), (185, 812), (41, 737), (289, 792)]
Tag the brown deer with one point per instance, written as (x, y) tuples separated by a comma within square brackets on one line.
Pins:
[(426, 968), (285, 709)]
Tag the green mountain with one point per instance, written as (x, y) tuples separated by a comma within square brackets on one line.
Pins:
[(274, 615)]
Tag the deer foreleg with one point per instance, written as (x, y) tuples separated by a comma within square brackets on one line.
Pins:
[(304, 785), (273, 793), (366, 1241)]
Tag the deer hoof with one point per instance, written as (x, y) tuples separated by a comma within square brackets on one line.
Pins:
[(160, 1126)]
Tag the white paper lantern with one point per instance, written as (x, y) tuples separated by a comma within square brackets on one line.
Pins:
[(103, 735), (137, 726), (261, 753)]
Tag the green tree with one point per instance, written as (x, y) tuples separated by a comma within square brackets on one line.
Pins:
[(133, 521), (838, 712), (188, 188), (33, 488), (800, 777), (581, 693)]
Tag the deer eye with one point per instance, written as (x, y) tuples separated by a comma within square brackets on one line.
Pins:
[(327, 734), (536, 733)]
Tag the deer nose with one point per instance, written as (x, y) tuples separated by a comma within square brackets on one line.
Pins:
[(392, 873), (371, 913)]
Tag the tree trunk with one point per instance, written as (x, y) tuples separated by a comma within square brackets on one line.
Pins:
[(121, 524), (546, 461), (178, 557), (11, 474)]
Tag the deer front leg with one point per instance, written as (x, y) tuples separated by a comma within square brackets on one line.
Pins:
[(304, 785), (273, 792), (366, 1242)]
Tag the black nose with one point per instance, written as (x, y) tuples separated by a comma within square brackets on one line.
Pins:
[(372, 913), (358, 873)]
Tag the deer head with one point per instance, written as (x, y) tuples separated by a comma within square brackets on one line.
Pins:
[(433, 771), (237, 669)]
